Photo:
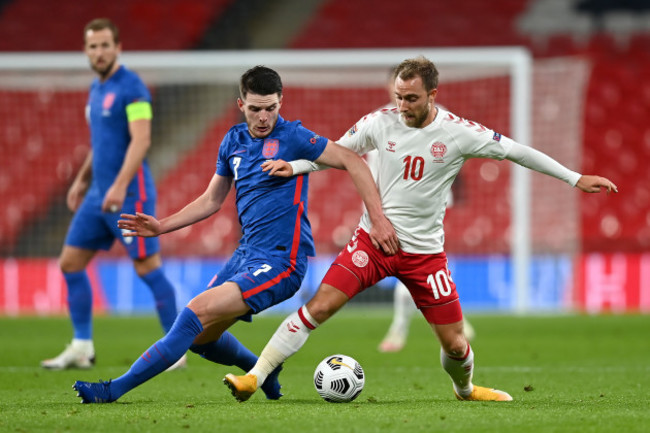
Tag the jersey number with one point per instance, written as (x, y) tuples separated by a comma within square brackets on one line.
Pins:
[(264, 268), (439, 284), (413, 167), (235, 166)]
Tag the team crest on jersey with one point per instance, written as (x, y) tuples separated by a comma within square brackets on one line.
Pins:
[(391, 146), (360, 259), (271, 147), (438, 150), (496, 136), (352, 130), (314, 139), (107, 103)]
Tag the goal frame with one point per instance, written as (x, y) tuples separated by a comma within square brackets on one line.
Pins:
[(517, 60)]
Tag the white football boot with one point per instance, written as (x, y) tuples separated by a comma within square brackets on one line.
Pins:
[(78, 354)]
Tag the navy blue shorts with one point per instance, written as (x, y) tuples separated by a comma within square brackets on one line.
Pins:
[(92, 229), (264, 279)]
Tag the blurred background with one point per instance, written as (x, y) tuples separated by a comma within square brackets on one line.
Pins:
[(590, 104)]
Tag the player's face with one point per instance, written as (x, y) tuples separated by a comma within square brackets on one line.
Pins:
[(102, 51), (414, 102), (261, 113)]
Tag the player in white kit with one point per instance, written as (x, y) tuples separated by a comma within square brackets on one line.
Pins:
[(420, 148)]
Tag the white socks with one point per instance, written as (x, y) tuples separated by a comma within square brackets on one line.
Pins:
[(460, 370), (290, 336)]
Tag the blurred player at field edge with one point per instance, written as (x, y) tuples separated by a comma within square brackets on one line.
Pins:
[(271, 260), (421, 150), (114, 177)]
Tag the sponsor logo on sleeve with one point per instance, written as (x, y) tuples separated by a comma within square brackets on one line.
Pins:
[(496, 136), (314, 139)]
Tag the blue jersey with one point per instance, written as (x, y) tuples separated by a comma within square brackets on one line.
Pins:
[(109, 132), (272, 210)]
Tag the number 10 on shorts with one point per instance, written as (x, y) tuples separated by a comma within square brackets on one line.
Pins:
[(439, 283)]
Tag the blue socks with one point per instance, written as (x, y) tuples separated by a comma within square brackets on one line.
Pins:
[(163, 293), (164, 353), (227, 350), (80, 304)]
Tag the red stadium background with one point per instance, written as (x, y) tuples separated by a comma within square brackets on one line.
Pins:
[(614, 237)]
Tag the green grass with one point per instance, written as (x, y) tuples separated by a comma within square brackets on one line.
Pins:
[(565, 373)]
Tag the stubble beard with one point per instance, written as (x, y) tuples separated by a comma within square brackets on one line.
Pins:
[(104, 72)]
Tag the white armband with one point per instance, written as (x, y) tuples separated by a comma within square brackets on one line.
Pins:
[(301, 166), (535, 160)]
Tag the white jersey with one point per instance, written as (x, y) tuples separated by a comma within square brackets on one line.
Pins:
[(416, 166)]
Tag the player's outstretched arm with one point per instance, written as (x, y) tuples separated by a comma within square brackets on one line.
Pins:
[(202, 207), (538, 161), (589, 183), (382, 232)]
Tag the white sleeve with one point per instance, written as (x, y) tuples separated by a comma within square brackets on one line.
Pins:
[(354, 139), (535, 160), (301, 166)]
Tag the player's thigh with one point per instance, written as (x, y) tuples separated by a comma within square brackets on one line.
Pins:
[(73, 259), (88, 229), (223, 303), (264, 279), (267, 280), (429, 281), (358, 266)]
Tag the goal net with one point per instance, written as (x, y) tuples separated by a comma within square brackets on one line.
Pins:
[(510, 235)]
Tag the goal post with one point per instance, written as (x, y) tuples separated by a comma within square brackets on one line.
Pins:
[(328, 90)]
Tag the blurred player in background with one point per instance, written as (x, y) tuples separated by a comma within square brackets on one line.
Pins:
[(271, 261), (421, 149), (403, 305), (114, 177)]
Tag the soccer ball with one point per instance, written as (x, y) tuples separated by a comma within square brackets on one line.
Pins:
[(339, 379)]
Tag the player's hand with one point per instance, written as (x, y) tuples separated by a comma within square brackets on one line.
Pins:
[(382, 234), (75, 196), (595, 184), (139, 224), (114, 199), (278, 168)]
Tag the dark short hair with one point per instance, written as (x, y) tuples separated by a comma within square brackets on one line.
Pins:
[(101, 24), (260, 80), (419, 67)]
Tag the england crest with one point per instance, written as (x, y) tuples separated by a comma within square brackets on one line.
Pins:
[(271, 147)]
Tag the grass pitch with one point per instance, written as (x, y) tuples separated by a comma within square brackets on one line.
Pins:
[(566, 374)]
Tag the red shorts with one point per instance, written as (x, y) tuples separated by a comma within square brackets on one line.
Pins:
[(360, 265)]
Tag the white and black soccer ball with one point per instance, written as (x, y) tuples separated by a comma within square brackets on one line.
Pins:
[(339, 379)]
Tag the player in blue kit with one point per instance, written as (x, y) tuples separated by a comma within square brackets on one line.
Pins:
[(271, 261), (114, 177)]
